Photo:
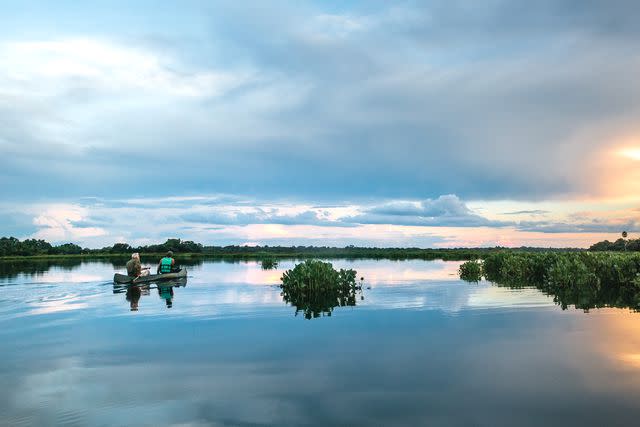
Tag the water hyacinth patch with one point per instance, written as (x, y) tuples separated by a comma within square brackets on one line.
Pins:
[(316, 288)]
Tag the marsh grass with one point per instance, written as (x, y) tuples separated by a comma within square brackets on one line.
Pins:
[(315, 288), (583, 279)]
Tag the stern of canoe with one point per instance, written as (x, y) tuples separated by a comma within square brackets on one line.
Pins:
[(121, 278)]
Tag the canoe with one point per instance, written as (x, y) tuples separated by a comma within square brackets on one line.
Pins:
[(123, 278)]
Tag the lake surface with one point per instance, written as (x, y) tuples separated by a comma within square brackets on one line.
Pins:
[(421, 348)]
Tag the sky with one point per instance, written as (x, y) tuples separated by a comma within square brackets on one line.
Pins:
[(378, 123)]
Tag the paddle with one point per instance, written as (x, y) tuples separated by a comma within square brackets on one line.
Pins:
[(140, 275)]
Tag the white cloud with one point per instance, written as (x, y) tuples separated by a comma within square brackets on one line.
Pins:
[(44, 68), (56, 224), (221, 220), (331, 26), (446, 210), (363, 102)]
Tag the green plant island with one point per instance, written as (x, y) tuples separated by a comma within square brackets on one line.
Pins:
[(315, 288), (269, 263)]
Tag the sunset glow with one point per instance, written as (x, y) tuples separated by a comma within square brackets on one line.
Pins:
[(630, 153)]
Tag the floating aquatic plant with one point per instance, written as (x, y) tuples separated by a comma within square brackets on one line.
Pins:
[(269, 263), (315, 288)]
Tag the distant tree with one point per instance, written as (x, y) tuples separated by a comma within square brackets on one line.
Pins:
[(605, 245), (120, 248), (618, 245), (633, 245), (34, 247), (67, 249)]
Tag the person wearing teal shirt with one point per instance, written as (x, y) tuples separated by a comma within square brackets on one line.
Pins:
[(167, 264)]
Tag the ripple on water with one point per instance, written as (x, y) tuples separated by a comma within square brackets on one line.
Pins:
[(70, 418)]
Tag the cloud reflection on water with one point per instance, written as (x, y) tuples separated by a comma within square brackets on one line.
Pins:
[(244, 289), (229, 352)]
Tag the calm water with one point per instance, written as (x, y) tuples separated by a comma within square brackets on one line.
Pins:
[(421, 348)]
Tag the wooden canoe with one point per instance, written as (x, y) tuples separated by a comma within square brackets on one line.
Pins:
[(124, 279)]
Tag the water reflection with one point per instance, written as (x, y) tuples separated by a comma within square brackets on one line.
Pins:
[(588, 298), (166, 293), (16, 268), (420, 346), (133, 293), (64, 285), (12, 269), (316, 304), (377, 272)]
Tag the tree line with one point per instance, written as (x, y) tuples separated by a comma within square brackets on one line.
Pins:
[(10, 246), (618, 245)]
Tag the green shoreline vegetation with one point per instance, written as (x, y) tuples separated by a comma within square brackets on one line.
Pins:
[(585, 279), (606, 275)]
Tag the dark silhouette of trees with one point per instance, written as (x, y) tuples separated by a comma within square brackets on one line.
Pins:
[(618, 245)]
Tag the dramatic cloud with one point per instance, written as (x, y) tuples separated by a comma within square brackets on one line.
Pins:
[(506, 99), (341, 118), (230, 216), (594, 226), (446, 210), (528, 212), (444, 221)]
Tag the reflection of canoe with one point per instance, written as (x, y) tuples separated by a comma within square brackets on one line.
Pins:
[(123, 278)]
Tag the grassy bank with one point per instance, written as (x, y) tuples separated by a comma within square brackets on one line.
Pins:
[(584, 279)]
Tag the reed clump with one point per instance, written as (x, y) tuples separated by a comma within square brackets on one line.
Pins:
[(315, 288)]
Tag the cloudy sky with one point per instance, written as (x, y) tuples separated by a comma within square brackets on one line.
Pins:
[(426, 123)]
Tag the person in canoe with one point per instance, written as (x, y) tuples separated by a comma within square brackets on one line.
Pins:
[(134, 268), (167, 264)]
